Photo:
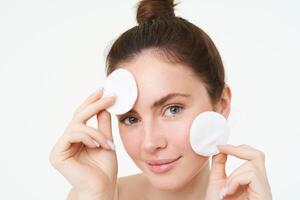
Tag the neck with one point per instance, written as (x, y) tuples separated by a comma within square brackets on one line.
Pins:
[(195, 189)]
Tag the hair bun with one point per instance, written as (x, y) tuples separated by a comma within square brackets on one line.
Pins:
[(150, 9)]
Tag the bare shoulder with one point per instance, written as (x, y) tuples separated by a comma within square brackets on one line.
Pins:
[(130, 187)]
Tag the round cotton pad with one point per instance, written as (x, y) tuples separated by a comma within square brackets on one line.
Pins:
[(122, 84), (208, 130)]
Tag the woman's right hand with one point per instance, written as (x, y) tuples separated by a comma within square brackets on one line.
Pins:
[(90, 169)]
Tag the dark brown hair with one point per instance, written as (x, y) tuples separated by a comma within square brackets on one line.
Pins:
[(174, 37)]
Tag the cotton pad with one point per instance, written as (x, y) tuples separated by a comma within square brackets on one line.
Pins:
[(208, 130), (122, 84)]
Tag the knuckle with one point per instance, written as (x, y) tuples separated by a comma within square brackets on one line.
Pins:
[(260, 155), (52, 159)]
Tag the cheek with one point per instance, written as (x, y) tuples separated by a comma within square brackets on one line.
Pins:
[(131, 142), (179, 135)]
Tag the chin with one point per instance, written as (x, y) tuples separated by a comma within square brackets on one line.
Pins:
[(170, 184)]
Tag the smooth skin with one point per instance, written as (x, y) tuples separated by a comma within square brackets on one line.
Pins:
[(163, 133), (92, 170)]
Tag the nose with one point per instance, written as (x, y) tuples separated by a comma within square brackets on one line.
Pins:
[(154, 138)]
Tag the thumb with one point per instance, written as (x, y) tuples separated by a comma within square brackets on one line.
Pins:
[(104, 124), (218, 167)]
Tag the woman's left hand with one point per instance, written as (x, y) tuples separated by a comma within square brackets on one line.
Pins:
[(247, 182)]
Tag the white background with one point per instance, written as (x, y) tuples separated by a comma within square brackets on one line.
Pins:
[(52, 57)]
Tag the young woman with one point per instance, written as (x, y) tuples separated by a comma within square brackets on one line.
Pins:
[(179, 74)]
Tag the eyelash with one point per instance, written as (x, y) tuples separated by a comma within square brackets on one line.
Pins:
[(171, 106)]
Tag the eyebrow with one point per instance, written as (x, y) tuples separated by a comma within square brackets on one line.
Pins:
[(161, 101)]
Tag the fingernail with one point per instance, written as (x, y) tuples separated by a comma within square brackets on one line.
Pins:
[(97, 144), (111, 144), (223, 192)]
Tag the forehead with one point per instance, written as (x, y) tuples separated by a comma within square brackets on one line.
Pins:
[(153, 73), (156, 77)]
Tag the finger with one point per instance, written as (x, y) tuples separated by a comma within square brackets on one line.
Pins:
[(247, 178), (245, 167), (251, 166), (97, 135), (92, 98), (243, 152), (65, 142), (93, 109), (218, 167), (104, 126)]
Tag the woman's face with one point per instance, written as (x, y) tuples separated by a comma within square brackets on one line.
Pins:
[(157, 128)]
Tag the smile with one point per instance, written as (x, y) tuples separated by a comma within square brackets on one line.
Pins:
[(162, 166)]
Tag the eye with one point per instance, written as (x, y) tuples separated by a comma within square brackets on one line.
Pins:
[(128, 120), (173, 110), (169, 111)]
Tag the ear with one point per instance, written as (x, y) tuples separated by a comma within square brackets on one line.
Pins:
[(223, 106)]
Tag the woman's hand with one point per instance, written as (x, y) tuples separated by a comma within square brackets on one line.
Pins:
[(84, 155), (247, 182)]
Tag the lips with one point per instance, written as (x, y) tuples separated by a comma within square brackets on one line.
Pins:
[(162, 166), (161, 162)]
